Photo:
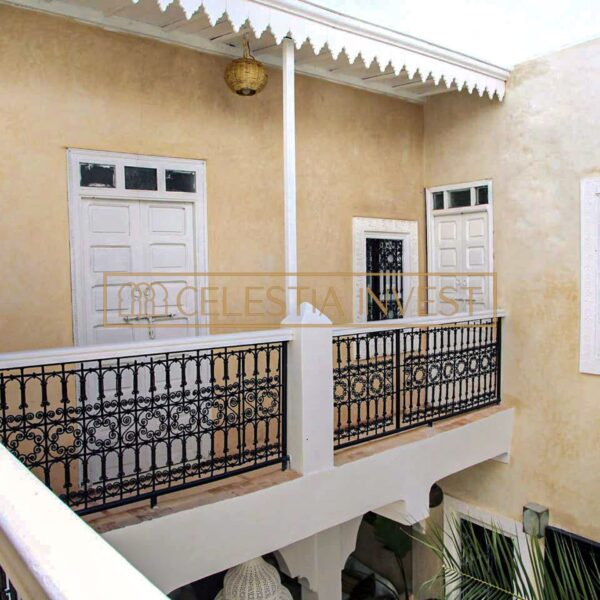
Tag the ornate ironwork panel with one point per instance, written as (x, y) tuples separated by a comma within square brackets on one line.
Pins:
[(384, 265), (108, 432), (7, 589), (391, 380)]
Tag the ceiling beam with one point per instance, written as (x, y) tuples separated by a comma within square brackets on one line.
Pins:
[(411, 85), (231, 36), (381, 76)]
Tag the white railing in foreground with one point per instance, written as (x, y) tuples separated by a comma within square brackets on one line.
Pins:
[(48, 552), (29, 358)]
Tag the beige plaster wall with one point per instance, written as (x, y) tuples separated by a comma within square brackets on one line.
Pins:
[(64, 84), (535, 146)]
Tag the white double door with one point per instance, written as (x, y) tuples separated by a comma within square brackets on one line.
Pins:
[(130, 249), (137, 255), (461, 262)]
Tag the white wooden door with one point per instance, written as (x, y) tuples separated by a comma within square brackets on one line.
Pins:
[(137, 236), (461, 246), (156, 239)]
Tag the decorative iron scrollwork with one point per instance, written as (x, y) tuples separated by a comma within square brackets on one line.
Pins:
[(392, 380), (112, 431)]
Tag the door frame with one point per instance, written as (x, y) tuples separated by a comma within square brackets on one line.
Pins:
[(474, 208), (76, 194), (371, 227)]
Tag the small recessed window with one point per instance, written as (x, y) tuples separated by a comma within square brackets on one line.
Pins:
[(97, 175), (460, 198), (438, 200), (140, 178), (482, 194), (180, 181)]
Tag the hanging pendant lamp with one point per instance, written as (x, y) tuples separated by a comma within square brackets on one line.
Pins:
[(246, 76), (255, 579)]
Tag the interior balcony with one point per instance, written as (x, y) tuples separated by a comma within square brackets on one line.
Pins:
[(163, 445)]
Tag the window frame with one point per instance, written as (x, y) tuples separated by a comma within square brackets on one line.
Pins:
[(366, 227), (455, 508), (589, 323)]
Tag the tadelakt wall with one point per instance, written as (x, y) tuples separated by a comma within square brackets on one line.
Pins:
[(536, 146), (69, 85)]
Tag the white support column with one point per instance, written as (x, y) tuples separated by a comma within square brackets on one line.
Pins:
[(310, 392), (319, 559), (289, 176)]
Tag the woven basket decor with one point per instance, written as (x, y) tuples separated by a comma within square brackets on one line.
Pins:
[(246, 76)]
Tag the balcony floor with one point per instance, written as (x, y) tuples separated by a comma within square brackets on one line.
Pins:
[(208, 493), (253, 481), (369, 448)]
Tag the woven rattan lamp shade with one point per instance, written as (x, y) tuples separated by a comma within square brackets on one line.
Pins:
[(253, 580), (246, 76)]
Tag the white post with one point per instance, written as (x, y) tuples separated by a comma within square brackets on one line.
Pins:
[(310, 392), (289, 176)]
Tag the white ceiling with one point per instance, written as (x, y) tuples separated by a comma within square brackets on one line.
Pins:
[(206, 28)]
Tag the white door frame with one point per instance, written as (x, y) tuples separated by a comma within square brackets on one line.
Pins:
[(474, 208), (368, 227), (76, 194)]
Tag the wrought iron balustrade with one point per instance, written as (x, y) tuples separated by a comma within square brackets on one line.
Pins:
[(111, 431), (390, 380)]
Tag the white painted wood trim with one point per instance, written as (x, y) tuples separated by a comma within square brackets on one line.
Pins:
[(505, 525), (15, 360), (49, 552), (417, 322), (367, 227), (76, 193), (589, 326), (305, 21), (488, 208), (289, 176)]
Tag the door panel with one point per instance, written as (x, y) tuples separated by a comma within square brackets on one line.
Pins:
[(135, 236), (476, 260), (461, 246), (447, 259)]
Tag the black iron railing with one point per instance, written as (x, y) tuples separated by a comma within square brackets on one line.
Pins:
[(7, 589), (392, 380), (107, 432)]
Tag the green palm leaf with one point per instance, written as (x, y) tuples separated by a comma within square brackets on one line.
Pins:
[(491, 566)]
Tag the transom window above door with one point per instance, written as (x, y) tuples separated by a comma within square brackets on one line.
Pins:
[(460, 196), (108, 173)]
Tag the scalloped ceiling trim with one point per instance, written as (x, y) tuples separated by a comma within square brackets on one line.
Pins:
[(279, 17)]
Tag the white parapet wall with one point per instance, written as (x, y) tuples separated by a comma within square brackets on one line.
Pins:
[(185, 546), (48, 552)]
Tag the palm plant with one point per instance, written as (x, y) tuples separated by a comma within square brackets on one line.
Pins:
[(488, 566)]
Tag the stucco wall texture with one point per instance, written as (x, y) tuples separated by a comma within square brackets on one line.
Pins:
[(64, 84), (535, 146)]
